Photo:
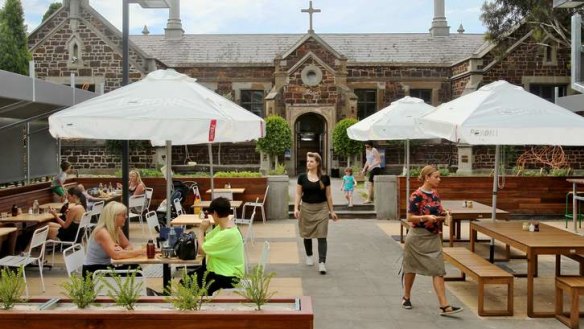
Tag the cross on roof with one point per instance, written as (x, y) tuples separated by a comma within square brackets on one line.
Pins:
[(310, 11)]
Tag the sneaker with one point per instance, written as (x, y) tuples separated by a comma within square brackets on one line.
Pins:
[(350, 205), (449, 310), (406, 303), (309, 261), (367, 201), (321, 268)]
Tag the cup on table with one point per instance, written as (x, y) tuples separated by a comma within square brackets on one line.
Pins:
[(4, 214)]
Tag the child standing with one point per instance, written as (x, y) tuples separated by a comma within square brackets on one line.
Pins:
[(349, 184), (58, 183)]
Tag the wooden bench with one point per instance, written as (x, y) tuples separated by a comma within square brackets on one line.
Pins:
[(483, 273), (574, 287)]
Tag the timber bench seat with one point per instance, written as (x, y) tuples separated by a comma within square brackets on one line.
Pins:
[(574, 287), (483, 273)]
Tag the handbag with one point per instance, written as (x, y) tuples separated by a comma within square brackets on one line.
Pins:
[(186, 246)]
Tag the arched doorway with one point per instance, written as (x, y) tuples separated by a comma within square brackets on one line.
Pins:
[(310, 134)]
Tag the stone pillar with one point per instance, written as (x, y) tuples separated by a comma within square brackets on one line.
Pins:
[(174, 28), (465, 159), (277, 202), (386, 196), (439, 24), (265, 163)]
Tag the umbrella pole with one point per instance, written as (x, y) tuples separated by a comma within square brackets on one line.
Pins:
[(494, 203), (169, 202), (407, 174), (211, 169), (126, 183)]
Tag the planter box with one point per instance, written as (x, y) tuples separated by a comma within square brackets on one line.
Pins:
[(521, 196), (297, 314)]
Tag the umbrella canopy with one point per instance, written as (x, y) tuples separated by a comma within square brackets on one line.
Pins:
[(504, 114), (165, 107), (395, 122)]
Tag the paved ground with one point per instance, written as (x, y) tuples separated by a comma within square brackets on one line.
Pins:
[(362, 288)]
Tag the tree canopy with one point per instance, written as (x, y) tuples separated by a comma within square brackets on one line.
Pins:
[(502, 16), (342, 144), (278, 137), (14, 54), (53, 7)]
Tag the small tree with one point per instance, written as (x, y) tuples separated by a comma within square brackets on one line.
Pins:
[(53, 7), (342, 144), (14, 54), (278, 137)]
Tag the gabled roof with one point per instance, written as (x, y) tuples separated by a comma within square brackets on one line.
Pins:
[(261, 49)]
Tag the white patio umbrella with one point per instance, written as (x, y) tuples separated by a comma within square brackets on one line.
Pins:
[(166, 107), (503, 114), (395, 122)]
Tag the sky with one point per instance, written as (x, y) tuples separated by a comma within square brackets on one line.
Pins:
[(283, 16)]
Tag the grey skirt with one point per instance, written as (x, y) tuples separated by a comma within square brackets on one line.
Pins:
[(423, 253), (313, 221)]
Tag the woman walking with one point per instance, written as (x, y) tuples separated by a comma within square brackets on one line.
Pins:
[(314, 190), (423, 245)]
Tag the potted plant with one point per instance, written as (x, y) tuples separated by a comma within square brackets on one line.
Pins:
[(254, 286), (186, 295), (12, 286), (80, 290)]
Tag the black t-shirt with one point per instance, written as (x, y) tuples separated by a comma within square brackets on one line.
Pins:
[(311, 191)]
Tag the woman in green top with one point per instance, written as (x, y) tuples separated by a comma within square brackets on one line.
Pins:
[(223, 248)]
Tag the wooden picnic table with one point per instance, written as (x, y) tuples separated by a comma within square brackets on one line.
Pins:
[(28, 218), (461, 213), (548, 241)]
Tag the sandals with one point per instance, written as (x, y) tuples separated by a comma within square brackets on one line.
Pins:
[(406, 303), (449, 310)]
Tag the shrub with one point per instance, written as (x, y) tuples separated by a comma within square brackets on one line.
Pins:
[(125, 291), (254, 286), (186, 295), (243, 174), (12, 286), (279, 170), (81, 291)]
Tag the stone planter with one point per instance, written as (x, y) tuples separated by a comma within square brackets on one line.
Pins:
[(155, 313)]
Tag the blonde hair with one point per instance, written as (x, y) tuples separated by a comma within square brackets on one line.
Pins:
[(349, 170), (107, 219), (426, 171), (138, 178)]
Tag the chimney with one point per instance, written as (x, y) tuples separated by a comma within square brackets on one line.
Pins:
[(174, 30), (439, 27)]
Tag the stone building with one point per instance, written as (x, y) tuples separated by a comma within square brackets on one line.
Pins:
[(312, 80)]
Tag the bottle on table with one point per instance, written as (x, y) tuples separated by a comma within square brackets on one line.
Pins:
[(197, 205), (150, 250), (36, 207), (171, 237), (14, 210), (110, 188)]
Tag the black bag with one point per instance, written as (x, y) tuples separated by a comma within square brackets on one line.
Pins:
[(186, 246)]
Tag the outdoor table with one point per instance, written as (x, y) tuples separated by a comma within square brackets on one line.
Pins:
[(6, 230), (54, 205), (158, 259), (234, 190), (4, 233), (575, 199), (192, 220), (460, 213), (548, 241), (28, 218), (206, 204)]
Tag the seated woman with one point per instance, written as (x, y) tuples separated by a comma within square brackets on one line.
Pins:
[(90, 198), (136, 186), (108, 241), (65, 228), (223, 247)]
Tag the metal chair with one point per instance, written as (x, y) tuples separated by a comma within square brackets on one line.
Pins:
[(39, 237), (249, 222), (136, 205), (178, 207), (153, 225), (74, 257), (259, 204), (568, 212), (148, 192), (82, 234)]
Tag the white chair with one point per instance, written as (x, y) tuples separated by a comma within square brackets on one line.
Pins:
[(74, 257), (106, 275), (39, 237), (136, 205), (265, 255), (249, 222), (178, 207), (83, 227), (259, 204), (97, 208), (148, 192), (153, 225)]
